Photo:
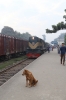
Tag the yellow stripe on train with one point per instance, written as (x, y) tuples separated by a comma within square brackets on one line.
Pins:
[(35, 45)]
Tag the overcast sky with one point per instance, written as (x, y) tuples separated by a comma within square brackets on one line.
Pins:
[(33, 16)]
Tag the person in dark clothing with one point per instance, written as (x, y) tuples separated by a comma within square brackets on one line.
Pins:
[(62, 53), (48, 49)]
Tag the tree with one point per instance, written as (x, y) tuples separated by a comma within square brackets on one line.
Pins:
[(65, 39), (54, 28), (57, 27), (10, 32), (48, 31)]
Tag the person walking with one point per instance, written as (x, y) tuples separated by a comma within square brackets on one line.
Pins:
[(62, 53)]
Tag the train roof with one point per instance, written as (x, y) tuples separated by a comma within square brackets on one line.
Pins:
[(11, 37), (37, 37)]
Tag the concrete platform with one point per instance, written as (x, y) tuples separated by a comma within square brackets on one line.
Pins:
[(51, 77)]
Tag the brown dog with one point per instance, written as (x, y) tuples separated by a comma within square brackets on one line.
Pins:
[(30, 78)]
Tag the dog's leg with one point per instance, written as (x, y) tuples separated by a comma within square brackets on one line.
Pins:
[(30, 84), (26, 82)]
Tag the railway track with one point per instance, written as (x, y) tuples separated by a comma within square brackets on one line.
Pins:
[(6, 74)]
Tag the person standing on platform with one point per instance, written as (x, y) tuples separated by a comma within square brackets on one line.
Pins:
[(62, 53), (48, 49), (58, 48), (52, 48)]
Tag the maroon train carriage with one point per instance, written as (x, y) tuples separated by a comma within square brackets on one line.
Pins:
[(25, 45), (21, 46), (6, 46), (17, 47), (1, 46), (10, 46)]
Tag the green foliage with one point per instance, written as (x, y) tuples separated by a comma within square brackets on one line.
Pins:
[(65, 39), (11, 62), (10, 32), (55, 28), (48, 31), (59, 26)]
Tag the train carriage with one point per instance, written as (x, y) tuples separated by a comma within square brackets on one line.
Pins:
[(5, 46), (25, 45), (11, 47), (2, 45)]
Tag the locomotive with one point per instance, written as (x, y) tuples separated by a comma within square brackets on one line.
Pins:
[(11, 47), (36, 47)]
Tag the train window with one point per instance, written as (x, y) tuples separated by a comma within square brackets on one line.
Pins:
[(33, 39)]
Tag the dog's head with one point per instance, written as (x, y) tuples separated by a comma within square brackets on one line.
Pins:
[(24, 72)]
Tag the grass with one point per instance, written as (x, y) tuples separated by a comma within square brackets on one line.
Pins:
[(10, 62)]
